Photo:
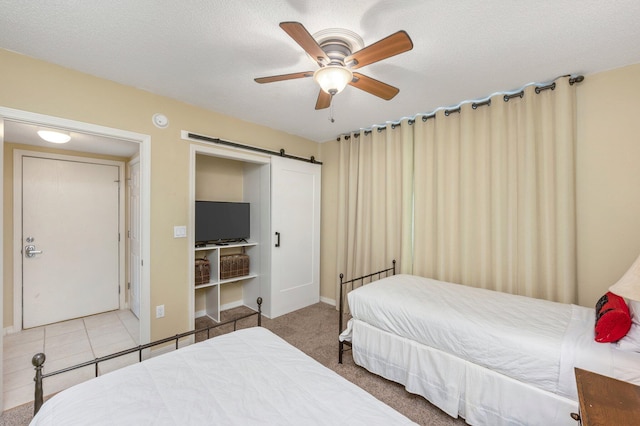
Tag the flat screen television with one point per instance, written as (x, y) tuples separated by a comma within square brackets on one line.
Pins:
[(219, 221)]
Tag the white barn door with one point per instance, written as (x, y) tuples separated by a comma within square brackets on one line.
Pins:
[(70, 248), (295, 223)]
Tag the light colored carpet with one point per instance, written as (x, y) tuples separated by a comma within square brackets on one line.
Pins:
[(313, 330)]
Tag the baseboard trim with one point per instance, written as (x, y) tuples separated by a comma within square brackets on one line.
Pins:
[(328, 301), (8, 330)]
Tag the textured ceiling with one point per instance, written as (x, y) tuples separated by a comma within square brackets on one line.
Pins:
[(207, 52)]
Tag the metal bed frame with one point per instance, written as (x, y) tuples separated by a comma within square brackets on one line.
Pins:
[(39, 358), (352, 281)]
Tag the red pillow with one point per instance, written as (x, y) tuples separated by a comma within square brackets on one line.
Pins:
[(613, 320)]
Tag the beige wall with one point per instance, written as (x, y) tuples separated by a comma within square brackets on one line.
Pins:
[(36, 86), (608, 179)]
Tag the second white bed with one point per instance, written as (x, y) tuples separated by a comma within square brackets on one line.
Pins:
[(491, 357), (247, 377)]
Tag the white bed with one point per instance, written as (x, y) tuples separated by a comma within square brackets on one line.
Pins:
[(490, 357), (247, 377)]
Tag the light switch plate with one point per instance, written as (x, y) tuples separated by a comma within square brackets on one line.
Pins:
[(179, 232)]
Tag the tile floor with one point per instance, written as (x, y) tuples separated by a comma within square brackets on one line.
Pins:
[(66, 343)]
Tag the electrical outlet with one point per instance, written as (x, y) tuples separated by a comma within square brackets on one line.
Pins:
[(159, 311)]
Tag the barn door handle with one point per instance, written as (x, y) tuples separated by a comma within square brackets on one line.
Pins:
[(278, 239)]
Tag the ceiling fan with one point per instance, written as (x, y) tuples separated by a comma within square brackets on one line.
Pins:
[(338, 52)]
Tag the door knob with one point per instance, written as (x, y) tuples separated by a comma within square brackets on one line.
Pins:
[(30, 251)]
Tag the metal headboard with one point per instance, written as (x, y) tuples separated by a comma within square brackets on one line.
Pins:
[(377, 275)]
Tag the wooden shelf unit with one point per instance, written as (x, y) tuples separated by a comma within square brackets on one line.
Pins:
[(212, 288)]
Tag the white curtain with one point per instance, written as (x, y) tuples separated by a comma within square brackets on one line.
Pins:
[(483, 197), (374, 212)]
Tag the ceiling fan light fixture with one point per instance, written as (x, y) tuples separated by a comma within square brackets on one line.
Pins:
[(333, 78), (54, 136), (337, 52)]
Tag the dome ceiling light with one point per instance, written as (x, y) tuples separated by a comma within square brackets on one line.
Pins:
[(54, 136)]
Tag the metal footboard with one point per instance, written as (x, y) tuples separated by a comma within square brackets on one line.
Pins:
[(368, 278), (39, 358)]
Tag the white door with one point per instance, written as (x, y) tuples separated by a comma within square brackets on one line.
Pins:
[(134, 238), (70, 239), (295, 223)]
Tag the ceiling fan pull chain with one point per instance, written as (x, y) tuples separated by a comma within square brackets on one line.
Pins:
[(331, 110)]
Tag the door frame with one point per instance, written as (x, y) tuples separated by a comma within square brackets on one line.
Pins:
[(132, 161), (18, 155), (144, 142)]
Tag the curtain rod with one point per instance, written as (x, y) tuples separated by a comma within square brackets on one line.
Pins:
[(474, 104), (280, 153)]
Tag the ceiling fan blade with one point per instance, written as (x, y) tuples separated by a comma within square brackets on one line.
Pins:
[(281, 77), (373, 86), (387, 47), (324, 100), (299, 33)]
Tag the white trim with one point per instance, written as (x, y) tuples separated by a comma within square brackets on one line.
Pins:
[(144, 142), (132, 161), (18, 154), (2, 259), (71, 125), (8, 330), (328, 301), (145, 238)]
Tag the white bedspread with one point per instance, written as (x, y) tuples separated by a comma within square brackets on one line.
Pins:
[(531, 340), (247, 377)]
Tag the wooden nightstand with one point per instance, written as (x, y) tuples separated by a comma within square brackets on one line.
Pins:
[(606, 401)]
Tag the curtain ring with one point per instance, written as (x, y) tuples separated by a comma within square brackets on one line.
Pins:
[(475, 105), (539, 89), (576, 79), (451, 111), (514, 95)]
